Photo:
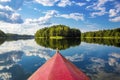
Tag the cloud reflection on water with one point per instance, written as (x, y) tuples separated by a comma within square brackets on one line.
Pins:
[(90, 56)]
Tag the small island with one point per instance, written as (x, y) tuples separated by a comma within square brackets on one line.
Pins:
[(58, 32)]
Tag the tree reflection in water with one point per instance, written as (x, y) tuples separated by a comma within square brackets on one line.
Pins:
[(109, 42), (2, 40), (61, 44)]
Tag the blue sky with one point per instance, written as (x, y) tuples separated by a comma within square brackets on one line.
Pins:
[(27, 16)]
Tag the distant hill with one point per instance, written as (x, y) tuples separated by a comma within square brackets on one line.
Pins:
[(2, 34), (9, 36), (58, 31)]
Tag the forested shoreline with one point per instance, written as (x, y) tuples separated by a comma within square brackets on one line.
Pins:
[(2, 34), (111, 33), (58, 31), (10, 36), (62, 31), (65, 31)]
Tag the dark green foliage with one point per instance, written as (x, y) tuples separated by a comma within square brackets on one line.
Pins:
[(11, 37), (103, 33), (109, 42), (17, 37), (2, 34), (58, 30), (14, 36), (61, 44), (2, 40), (2, 37)]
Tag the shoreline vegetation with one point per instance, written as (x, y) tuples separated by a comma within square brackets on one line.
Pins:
[(58, 32), (10, 36), (52, 37), (63, 32), (104, 34), (57, 37), (101, 37), (61, 35), (2, 34)]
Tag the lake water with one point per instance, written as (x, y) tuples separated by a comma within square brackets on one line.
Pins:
[(19, 59)]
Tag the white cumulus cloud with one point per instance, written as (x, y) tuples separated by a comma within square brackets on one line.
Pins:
[(116, 19), (59, 3), (7, 14), (15, 17), (64, 3), (6, 8), (100, 13), (80, 4), (5, 0), (98, 7), (75, 16), (20, 28), (42, 20), (47, 2), (114, 13), (53, 13)]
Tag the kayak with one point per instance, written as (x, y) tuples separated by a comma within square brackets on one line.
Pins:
[(58, 68)]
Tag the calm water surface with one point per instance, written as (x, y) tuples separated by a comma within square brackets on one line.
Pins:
[(19, 59)]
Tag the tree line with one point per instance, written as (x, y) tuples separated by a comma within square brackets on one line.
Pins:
[(2, 34), (58, 30), (103, 33), (10, 36)]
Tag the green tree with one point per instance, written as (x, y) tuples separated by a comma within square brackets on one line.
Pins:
[(2, 34), (58, 30), (103, 33)]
